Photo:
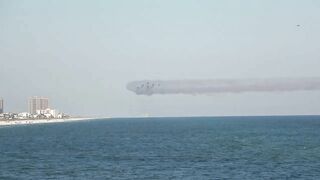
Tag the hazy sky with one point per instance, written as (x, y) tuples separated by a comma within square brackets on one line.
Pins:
[(81, 54)]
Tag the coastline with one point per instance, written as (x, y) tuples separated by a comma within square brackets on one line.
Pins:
[(39, 121)]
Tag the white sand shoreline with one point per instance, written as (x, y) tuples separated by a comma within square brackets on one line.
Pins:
[(39, 121)]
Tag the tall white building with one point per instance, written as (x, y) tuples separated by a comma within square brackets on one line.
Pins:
[(1, 105), (37, 103)]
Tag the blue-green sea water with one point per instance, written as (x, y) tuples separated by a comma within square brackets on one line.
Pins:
[(286, 147)]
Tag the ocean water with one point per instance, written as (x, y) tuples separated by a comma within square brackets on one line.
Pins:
[(164, 148)]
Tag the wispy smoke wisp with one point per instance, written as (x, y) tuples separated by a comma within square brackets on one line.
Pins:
[(149, 87)]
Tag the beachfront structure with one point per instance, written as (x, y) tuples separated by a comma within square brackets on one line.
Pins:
[(48, 113), (37, 103), (24, 115), (1, 105)]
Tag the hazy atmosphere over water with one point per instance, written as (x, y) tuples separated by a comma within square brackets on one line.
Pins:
[(81, 54)]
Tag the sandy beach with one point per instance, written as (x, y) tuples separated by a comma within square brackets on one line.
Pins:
[(39, 121)]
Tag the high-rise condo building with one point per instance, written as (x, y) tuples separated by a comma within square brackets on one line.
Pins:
[(1, 105), (37, 103)]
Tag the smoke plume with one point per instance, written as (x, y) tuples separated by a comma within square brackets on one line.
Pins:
[(150, 87)]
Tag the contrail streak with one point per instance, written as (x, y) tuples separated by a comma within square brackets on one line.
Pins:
[(150, 87)]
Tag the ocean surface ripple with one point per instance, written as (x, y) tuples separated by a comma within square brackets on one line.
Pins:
[(286, 147)]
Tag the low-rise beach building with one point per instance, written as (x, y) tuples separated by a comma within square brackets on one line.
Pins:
[(49, 113), (24, 115)]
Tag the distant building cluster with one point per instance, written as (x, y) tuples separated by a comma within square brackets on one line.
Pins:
[(38, 108)]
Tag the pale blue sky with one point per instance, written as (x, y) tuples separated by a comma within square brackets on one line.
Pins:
[(81, 54)]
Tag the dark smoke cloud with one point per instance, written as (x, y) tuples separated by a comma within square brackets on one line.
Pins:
[(149, 87)]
